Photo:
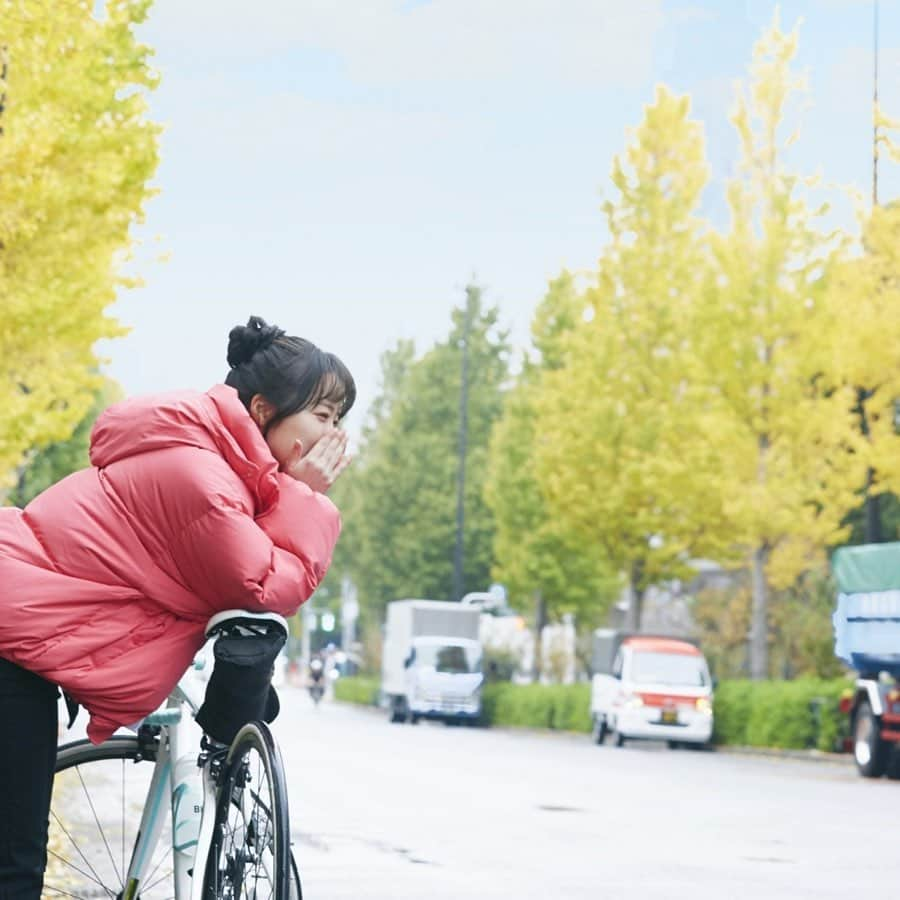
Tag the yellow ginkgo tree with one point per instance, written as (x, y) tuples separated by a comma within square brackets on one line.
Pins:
[(77, 152), (615, 448), (786, 456), (864, 299)]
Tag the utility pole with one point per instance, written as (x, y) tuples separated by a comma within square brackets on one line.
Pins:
[(875, 104), (872, 507), (472, 294)]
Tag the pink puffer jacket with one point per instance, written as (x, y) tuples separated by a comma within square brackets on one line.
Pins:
[(108, 578)]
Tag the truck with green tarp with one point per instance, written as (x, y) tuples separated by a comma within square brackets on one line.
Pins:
[(867, 638)]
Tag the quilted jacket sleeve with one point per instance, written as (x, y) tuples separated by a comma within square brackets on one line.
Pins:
[(231, 560)]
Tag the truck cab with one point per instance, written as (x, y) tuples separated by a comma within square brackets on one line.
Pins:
[(656, 688), (443, 679), (432, 660)]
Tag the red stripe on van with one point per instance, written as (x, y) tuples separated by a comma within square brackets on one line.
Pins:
[(668, 699), (661, 645)]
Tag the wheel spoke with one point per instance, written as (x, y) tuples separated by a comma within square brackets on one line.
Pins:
[(99, 826), (149, 883), (56, 890), (152, 884), (87, 818), (87, 862), (71, 865)]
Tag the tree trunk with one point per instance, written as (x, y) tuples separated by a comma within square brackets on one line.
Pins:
[(4, 60), (759, 625), (874, 534), (872, 508), (540, 620), (635, 599)]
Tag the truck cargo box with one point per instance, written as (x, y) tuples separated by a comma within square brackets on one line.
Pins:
[(867, 617)]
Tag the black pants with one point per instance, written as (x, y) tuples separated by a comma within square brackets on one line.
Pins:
[(28, 733)]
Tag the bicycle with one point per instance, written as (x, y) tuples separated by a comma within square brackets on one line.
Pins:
[(228, 803), (316, 692)]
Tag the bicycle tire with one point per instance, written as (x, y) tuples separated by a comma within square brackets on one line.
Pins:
[(251, 832), (90, 843)]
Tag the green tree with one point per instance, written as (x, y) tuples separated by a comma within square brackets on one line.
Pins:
[(347, 493), (402, 492), (76, 152), (355, 553), (721, 618), (616, 457), (803, 633), (538, 557)]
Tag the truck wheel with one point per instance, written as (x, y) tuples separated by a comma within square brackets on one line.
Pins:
[(598, 732), (893, 763), (869, 750), (413, 719), (397, 711), (618, 738)]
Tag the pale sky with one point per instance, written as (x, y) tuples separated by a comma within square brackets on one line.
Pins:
[(342, 169)]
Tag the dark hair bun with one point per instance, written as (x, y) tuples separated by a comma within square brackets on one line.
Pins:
[(244, 341)]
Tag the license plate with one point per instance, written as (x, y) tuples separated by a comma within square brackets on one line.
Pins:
[(669, 717)]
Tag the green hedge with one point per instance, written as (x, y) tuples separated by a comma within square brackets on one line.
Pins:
[(558, 707), (795, 715), (357, 690), (798, 715)]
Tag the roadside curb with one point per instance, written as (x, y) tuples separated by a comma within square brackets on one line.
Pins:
[(780, 753), (841, 759)]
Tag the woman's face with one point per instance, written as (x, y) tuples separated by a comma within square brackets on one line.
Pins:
[(308, 427)]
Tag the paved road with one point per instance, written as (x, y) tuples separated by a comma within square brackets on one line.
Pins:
[(388, 811)]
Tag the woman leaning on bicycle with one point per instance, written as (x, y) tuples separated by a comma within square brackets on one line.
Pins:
[(194, 503)]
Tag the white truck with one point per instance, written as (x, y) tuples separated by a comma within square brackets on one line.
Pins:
[(431, 661), (650, 687)]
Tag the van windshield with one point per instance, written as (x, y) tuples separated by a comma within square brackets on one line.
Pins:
[(668, 668), (450, 658)]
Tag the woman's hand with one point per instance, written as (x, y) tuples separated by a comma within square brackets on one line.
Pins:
[(322, 466)]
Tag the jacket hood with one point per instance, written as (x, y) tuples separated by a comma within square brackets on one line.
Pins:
[(216, 420)]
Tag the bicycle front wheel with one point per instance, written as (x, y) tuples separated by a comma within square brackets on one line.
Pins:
[(95, 812), (250, 856)]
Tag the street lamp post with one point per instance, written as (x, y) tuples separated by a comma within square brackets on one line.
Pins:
[(458, 557), (872, 504), (875, 104)]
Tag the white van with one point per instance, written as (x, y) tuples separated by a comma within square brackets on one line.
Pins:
[(656, 688)]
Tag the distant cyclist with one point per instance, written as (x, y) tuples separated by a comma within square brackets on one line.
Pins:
[(194, 503), (316, 678)]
